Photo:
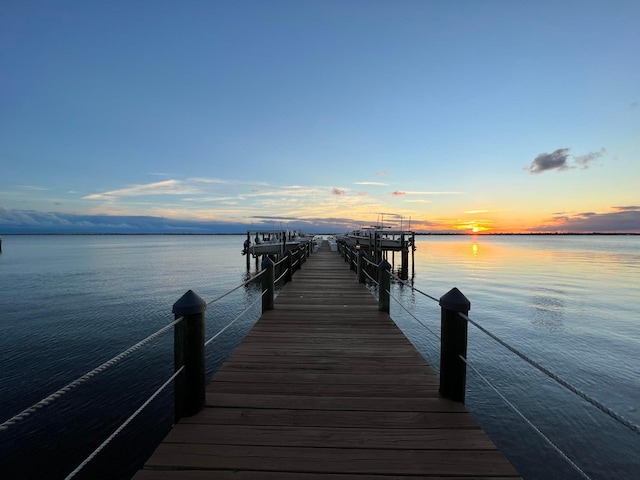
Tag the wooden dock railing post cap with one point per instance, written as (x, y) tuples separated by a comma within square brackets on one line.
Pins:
[(189, 304), (189, 392), (453, 344)]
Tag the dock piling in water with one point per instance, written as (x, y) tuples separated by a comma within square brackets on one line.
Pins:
[(190, 385), (453, 345), (267, 284)]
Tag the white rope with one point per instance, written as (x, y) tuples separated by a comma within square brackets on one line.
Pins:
[(281, 276), (235, 319), (414, 317), (527, 421), (123, 426), (406, 284), (239, 286), (374, 281), (617, 417), (76, 383)]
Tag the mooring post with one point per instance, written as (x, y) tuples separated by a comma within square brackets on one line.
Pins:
[(384, 283), (188, 350), (288, 277), (453, 345), (267, 284), (301, 257), (360, 262)]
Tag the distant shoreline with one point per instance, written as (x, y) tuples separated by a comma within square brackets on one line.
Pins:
[(417, 234)]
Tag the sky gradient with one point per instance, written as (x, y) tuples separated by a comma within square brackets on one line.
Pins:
[(221, 116)]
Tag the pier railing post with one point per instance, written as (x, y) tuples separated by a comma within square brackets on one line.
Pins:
[(361, 264), (300, 255), (384, 283), (453, 344), (188, 340), (289, 266), (268, 280)]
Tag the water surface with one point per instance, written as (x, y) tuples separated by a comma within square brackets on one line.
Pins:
[(68, 303)]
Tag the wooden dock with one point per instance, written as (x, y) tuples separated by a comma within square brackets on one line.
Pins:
[(326, 386)]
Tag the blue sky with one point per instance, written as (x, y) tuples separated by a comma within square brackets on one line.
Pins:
[(227, 115)]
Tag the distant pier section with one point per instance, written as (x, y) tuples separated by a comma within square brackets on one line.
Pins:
[(377, 242), (273, 244)]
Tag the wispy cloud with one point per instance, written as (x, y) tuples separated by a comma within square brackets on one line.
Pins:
[(584, 161), (338, 191), (166, 187), (559, 161), (33, 188), (399, 193), (372, 183), (382, 174)]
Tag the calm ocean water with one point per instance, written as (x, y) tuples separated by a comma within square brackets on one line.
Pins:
[(69, 303)]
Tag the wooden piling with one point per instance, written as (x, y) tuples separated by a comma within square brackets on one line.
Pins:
[(189, 389), (268, 279), (384, 283), (453, 345)]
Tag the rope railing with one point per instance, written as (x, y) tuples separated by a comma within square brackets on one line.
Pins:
[(463, 358), (414, 317), (108, 440), (238, 317), (84, 378), (373, 280), (244, 284), (527, 421), (284, 274), (407, 284), (603, 408), (182, 319)]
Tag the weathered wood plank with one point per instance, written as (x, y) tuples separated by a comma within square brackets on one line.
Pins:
[(331, 460), (302, 402), (262, 475), (337, 437), (339, 419)]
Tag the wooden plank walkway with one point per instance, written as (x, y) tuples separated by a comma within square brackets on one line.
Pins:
[(326, 386)]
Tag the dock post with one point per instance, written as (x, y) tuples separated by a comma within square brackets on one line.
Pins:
[(453, 344), (352, 258), (301, 258), (289, 266), (384, 283), (247, 245), (267, 284), (188, 350), (360, 264)]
